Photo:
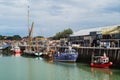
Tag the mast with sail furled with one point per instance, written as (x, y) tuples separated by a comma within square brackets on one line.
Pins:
[(30, 50)]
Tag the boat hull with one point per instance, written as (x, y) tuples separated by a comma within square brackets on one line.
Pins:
[(17, 51), (65, 57), (32, 53), (106, 65)]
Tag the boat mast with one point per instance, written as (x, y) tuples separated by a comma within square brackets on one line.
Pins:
[(30, 35), (28, 19), (37, 47), (29, 30)]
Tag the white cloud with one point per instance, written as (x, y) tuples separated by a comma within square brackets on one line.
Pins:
[(56, 15)]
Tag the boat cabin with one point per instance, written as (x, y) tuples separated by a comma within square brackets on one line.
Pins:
[(100, 59), (70, 51)]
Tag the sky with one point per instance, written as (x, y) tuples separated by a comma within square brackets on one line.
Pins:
[(53, 16)]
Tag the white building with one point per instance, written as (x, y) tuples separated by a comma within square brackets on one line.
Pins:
[(86, 36)]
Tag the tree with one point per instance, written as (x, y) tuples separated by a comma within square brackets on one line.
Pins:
[(17, 37), (39, 37), (1, 37), (63, 34), (8, 38)]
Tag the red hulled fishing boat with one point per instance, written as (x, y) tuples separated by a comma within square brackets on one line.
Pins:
[(100, 61)]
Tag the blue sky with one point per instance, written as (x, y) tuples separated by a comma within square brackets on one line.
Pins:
[(52, 16)]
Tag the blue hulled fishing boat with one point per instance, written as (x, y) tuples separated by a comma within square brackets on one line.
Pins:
[(69, 55)]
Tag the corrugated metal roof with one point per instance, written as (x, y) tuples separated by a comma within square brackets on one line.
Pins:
[(87, 31)]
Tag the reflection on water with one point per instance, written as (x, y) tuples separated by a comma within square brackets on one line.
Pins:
[(106, 71), (26, 68), (102, 74), (18, 55)]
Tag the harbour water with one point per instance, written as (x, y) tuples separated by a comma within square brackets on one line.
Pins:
[(24, 68)]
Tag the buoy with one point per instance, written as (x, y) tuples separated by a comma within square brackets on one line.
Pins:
[(111, 63)]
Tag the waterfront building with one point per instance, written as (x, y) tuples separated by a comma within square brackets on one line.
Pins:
[(99, 36)]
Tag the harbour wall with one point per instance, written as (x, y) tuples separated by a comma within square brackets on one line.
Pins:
[(85, 54)]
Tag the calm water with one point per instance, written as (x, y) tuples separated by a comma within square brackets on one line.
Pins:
[(22, 68)]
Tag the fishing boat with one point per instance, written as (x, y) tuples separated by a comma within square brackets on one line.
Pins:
[(100, 61), (5, 45), (31, 49), (16, 50), (69, 55), (32, 53)]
